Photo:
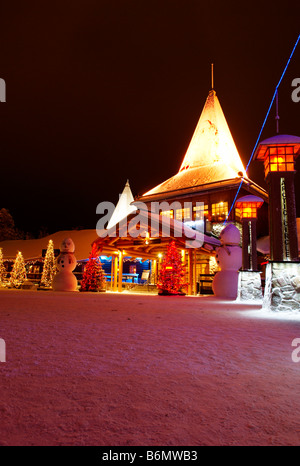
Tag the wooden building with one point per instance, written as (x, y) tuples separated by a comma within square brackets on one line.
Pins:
[(198, 197), (206, 184)]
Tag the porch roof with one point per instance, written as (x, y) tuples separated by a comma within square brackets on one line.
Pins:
[(152, 236)]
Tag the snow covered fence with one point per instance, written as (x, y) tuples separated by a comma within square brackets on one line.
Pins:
[(2, 350)]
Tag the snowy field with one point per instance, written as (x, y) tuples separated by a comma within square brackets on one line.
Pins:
[(116, 370)]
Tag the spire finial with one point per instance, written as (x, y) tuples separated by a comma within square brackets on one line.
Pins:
[(212, 75)]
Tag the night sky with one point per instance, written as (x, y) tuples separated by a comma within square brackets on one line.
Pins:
[(99, 92)]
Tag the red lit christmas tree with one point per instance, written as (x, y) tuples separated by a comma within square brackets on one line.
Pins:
[(93, 277), (171, 276)]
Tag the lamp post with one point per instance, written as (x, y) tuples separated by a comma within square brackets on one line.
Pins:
[(248, 206), (278, 154)]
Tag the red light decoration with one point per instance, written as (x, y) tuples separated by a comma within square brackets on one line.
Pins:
[(93, 277), (171, 276)]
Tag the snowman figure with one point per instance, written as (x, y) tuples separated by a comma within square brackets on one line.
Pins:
[(65, 280), (229, 259)]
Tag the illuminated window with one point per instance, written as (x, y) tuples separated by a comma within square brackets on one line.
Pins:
[(219, 211), (200, 212), (237, 213), (249, 210), (183, 214), (279, 159), (167, 213)]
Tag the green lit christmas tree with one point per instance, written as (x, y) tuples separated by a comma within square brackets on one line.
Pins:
[(18, 273), (93, 277), (171, 277), (2, 269), (49, 268)]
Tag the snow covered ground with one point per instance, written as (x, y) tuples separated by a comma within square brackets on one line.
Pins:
[(120, 369)]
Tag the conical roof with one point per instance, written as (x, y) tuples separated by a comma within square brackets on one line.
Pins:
[(212, 155), (123, 208), (212, 142)]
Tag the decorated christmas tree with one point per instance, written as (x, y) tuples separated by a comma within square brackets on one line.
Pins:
[(18, 273), (49, 268), (93, 277), (171, 277), (2, 269)]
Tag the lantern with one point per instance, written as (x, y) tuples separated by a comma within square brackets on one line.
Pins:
[(279, 154), (248, 206)]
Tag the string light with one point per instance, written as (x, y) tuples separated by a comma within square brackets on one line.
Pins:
[(263, 125)]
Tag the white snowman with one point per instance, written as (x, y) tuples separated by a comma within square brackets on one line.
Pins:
[(65, 280), (229, 259)]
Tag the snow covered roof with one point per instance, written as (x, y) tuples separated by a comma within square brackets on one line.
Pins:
[(281, 139), (258, 200), (32, 248), (123, 208), (212, 155)]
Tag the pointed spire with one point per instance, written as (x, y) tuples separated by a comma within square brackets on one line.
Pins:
[(212, 142), (123, 207), (212, 155)]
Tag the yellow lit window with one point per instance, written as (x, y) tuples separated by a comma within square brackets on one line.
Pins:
[(237, 213), (219, 211), (183, 214), (200, 212), (167, 213)]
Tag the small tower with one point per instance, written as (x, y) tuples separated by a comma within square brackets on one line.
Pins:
[(279, 154), (282, 284)]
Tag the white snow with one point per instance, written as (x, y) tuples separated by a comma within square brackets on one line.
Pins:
[(123, 369), (32, 248)]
